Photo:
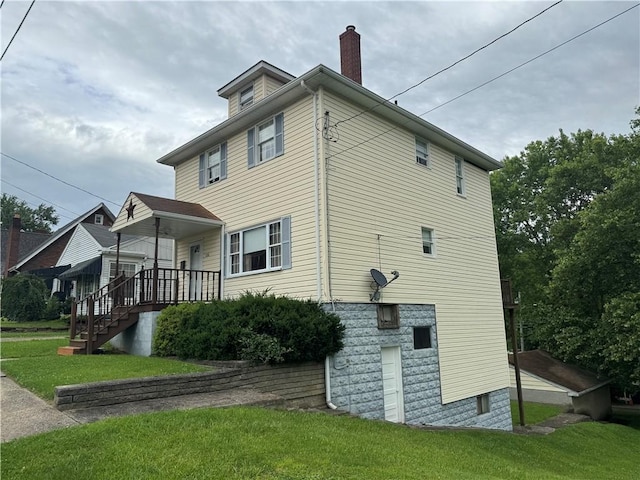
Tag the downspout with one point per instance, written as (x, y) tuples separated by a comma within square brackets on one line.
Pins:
[(316, 185), (316, 164), (223, 259)]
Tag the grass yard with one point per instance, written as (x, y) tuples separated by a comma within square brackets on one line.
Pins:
[(36, 365), (31, 348), (243, 443), (534, 412)]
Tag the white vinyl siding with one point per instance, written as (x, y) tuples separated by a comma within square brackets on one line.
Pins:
[(81, 246), (249, 197), (530, 382), (369, 233)]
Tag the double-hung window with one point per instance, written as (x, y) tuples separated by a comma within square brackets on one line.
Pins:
[(422, 153), (246, 97), (460, 176), (265, 141), (213, 165), (260, 248), (129, 270), (428, 242)]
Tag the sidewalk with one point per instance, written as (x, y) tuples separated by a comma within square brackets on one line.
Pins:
[(23, 414)]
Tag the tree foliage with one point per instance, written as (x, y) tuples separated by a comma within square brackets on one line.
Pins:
[(42, 218), (567, 213), (24, 298)]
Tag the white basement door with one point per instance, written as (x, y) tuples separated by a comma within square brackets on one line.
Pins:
[(392, 384)]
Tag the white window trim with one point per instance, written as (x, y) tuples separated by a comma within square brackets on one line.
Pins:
[(113, 264), (428, 148), (99, 219), (241, 106), (463, 186), (433, 242), (268, 268)]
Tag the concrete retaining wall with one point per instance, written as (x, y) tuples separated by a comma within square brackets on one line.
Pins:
[(299, 385)]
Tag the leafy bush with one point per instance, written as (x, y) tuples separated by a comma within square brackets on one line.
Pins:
[(24, 298), (259, 327), (53, 309)]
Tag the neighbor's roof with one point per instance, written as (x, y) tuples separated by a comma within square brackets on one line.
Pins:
[(365, 99), (61, 231), (543, 365), (28, 241), (104, 236)]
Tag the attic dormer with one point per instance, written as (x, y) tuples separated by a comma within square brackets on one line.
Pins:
[(253, 85)]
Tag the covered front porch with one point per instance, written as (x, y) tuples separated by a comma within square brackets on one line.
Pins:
[(117, 306)]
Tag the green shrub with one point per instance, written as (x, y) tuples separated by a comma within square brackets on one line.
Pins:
[(24, 298), (53, 309), (259, 327)]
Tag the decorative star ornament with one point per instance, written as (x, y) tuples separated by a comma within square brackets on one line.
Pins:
[(130, 209)]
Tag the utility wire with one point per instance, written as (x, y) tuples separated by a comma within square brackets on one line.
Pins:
[(17, 30), (59, 180), (450, 66), (38, 197), (487, 82), (1, 4)]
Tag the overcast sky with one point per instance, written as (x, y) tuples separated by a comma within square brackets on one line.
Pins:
[(95, 92)]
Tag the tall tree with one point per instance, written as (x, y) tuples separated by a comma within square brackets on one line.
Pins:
[(567, 215), (42, 218)]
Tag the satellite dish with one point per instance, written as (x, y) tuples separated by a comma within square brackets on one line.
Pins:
[(378, 277), (380, 282)]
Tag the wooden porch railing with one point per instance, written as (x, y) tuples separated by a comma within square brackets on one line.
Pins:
[(156, 287)]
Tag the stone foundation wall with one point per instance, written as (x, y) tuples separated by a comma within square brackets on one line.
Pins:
[(356, 371)]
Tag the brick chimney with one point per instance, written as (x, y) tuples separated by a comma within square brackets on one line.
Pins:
[(350, 54), (13, 244)]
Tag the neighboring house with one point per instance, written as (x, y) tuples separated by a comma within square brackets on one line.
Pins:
[(91, 252), (312, 182), (16, 243), (546, 379), (43, 260)]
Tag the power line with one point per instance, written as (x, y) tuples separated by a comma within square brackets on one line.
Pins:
[(18, 29), (34, 195), (487, 82), (59, 180), (450, 66)]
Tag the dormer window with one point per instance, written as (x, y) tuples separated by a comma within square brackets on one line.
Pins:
[(246, 97)]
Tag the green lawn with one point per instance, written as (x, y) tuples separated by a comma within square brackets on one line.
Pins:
[(534, 412), (243, 443), (39, 333), (31, 348), (36, 365)]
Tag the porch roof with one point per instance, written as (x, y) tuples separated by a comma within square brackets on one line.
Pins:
[(177, 219)]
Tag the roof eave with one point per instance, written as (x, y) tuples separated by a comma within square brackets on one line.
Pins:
[(323, 76)]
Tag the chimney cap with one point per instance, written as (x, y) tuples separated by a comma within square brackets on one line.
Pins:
[(351, 27)]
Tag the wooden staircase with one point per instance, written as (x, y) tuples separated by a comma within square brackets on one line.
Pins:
[(102, 315)]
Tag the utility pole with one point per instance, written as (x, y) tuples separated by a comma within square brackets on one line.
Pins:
[(509, 304)]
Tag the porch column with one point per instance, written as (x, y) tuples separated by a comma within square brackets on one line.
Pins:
[(118, 254), (154, 288)]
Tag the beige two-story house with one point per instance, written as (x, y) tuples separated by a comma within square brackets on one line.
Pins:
[(314, 186)]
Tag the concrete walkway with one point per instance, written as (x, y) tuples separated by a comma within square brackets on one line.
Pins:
[(23, 413)]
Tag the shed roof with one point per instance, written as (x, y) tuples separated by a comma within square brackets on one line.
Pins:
[(543, 365)]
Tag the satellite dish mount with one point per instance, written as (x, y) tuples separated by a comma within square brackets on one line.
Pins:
[(379, 282)]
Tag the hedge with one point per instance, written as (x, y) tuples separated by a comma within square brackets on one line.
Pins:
[(258, 327)]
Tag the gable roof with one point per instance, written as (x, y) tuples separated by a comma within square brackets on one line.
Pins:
[(178, 207), (28, 241), (543, 365), (345, 87), (104, 236), (61, 231), (251, 74)]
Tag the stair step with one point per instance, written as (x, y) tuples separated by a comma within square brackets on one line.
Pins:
[(67, 351)]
